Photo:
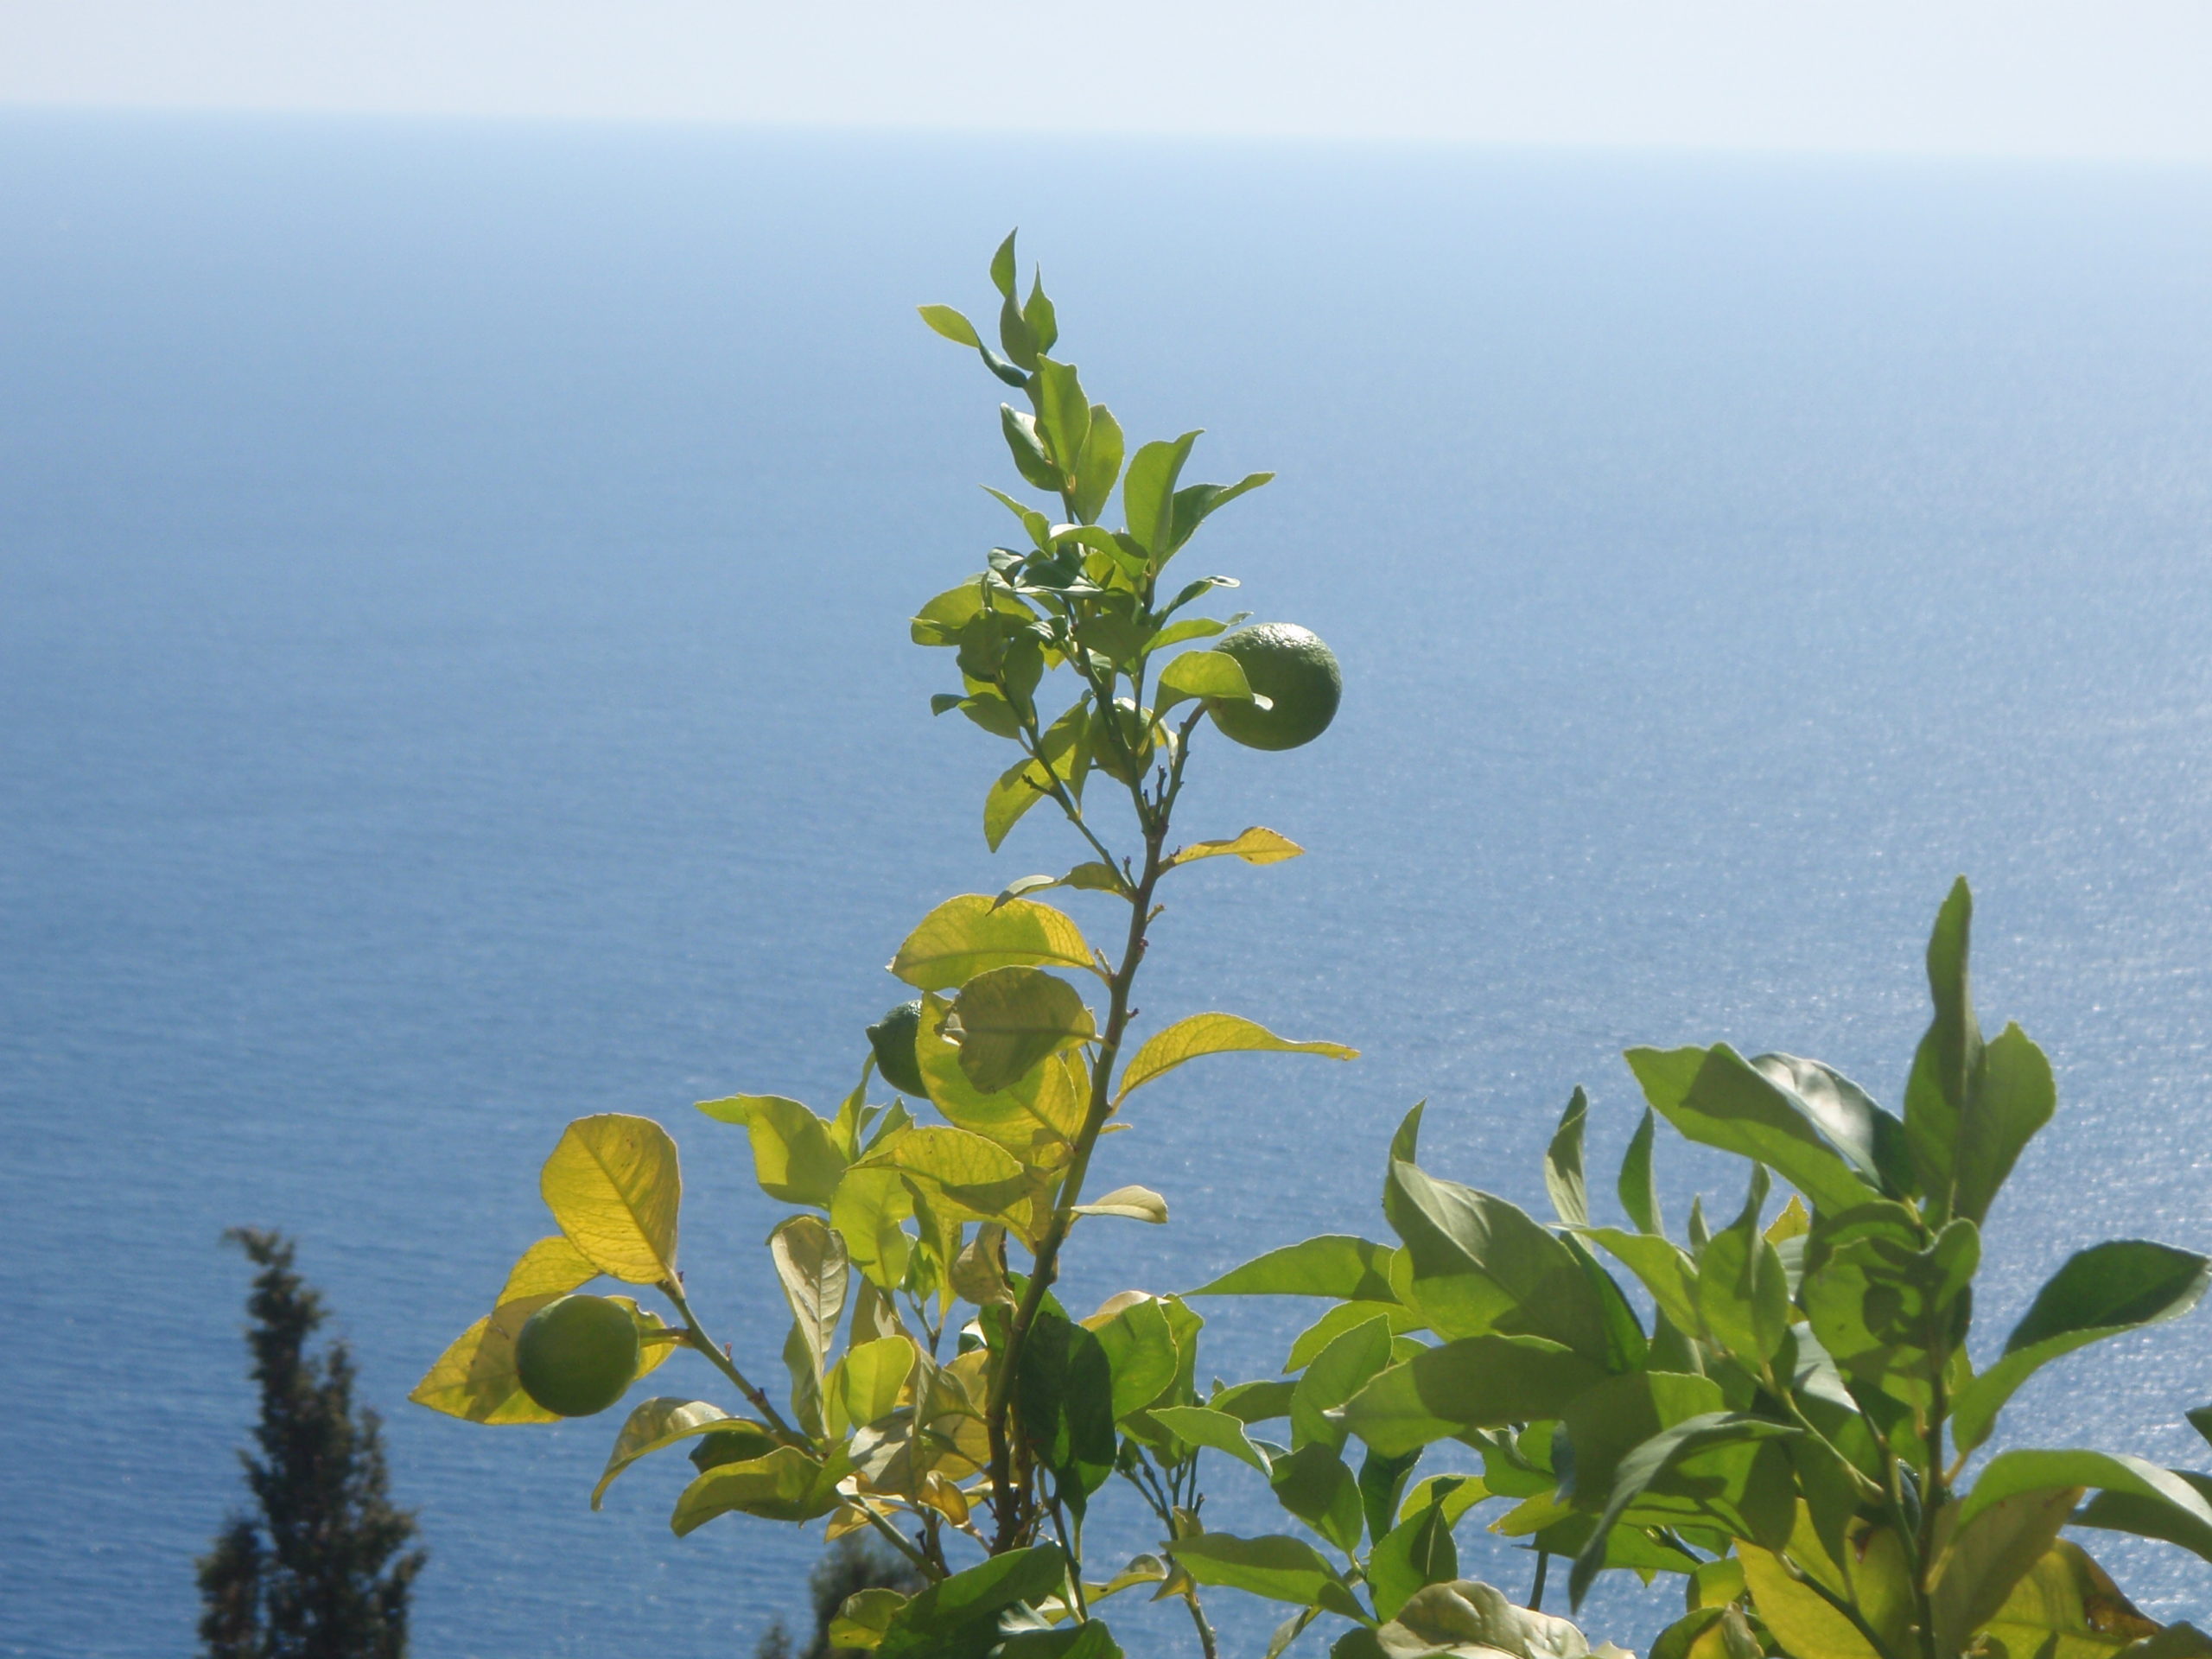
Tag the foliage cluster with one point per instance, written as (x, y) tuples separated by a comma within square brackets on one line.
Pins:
[(1780, 1411)]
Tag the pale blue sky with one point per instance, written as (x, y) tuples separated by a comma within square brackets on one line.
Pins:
[(2119, 77)]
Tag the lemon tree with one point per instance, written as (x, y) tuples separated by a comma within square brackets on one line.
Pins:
[(1779, 1410)]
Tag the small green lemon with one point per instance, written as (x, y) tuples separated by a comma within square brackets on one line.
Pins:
[(892, 1039), (577, 1354), (1290, 667)]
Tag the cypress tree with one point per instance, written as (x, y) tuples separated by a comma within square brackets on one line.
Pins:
[(315, 1569)]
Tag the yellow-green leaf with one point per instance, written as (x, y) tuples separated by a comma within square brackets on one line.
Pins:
[(1254, 846), (1804, 1623), (970, 935), (1981, 1564), (864, 1387), (795, 1157), (1046, 1105), (1211, 674), (1011, 1020), (2067, 1608), (1136, 1203), (613, 1186), (811, 1261), (655, 1423), (939, 622), (867, 1211), (547, 1268), (474, 1379), (1019, 788), (864, 1618), (950, 1157), (785, 1485), (1212, 1033)]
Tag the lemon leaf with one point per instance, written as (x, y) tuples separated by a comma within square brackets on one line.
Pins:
[(1136, 1203), (969, 935), (1255, 846), (614, 1184), (656, 1423), (1011, 1020), (549, 1268), (474, 1379), (1211, 674), (1212, 1033)]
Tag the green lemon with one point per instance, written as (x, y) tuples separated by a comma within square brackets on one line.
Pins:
[(1289, 666), (577, 1354), (892, 1039)]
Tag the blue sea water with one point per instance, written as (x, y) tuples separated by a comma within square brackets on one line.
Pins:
[(453, 679)]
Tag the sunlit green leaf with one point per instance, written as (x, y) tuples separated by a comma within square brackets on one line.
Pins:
[(1099, 466), (1870, 1137), (613, 1186), (651, 1426), (1254, 846), (1563, 1179), (1739, 1497), (1466, 1618), (1064, 421), (1214, 675), (1341, 1317), (1195, 504), (1714, 1097), (1801, 1618), (1639, 1193), (785, 1485), (1256, 1402), (2067, 1608), (863, 1617), (474, 1379), (812, 1262), (1613, 1419), (1950, 1054), (1418, 1552), (2013, 1097), (1982, 1562), (547, 1268), (1279, 1568), (1149, 493), (1481, 1265), (1214, 1033), (2101, 1292), (1338, 1371), (1475, 1382), (970, 935), (1335, 1265), (941, 620), (1216, 1430), (868, 1210), (1011, 1020), (794, 1159), (1314, 1484), (950, 323), (1130, 1202), (1141, 1349), (1026, 447)]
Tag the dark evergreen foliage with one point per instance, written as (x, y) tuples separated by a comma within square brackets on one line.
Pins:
[(853, 1563), (316, 1570)]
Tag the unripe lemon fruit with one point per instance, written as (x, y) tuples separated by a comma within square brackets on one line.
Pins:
[(577, 1354), (892, 1039), (1298, 676)]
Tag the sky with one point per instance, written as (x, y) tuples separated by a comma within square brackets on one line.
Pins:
[(2117, 79)]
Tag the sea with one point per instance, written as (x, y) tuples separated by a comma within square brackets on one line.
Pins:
[(455, 678)]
